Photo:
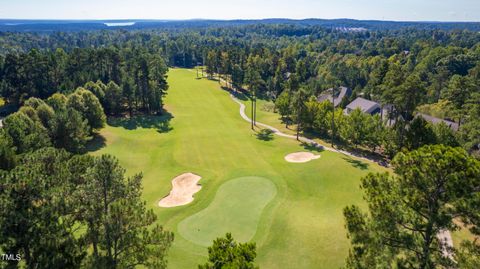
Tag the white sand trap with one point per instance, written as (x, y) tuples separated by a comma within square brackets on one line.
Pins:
[(301, 157), (183, 188)]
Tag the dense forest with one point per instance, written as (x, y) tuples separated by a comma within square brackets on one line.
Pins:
[(434, 72), (59, 88), (48, 26)]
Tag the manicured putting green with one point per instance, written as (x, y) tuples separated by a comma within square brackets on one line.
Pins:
[(301, 227), (236, 208)]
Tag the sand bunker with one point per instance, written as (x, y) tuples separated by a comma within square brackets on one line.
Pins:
[(183, 188), (301, 157)]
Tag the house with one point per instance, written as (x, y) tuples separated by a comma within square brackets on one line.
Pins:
[(341, 94), (366, 106), (453, 125)]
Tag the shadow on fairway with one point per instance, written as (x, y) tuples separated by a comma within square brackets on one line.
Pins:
[(356, 163), (312, 147), (97, 143), (160, 123), (265, 135), (239, 93), (241, 96)]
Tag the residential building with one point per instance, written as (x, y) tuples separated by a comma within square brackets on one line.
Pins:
[(366, 106), (343, 92), (453, 125)]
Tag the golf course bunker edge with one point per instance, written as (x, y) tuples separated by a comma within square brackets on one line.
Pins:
[(184, 187), (301, 157), (236, 208)]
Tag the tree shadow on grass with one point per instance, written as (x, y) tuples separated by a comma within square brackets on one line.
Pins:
[(160, 123), (238, 93), (312, 147), (265, 135), (96, 143), (356, 163), (241, 96), (212, 79)]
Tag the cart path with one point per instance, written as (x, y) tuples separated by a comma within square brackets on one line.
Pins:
[(300, 138), (444, 236)]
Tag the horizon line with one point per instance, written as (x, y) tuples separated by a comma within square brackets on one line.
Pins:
[(243, 19)]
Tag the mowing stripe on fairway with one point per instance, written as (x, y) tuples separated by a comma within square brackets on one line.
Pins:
[(301, 227), (236, 208)]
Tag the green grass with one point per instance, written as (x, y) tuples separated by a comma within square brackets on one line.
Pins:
[(302, 226), (2, 102), (462, 234), (236, 208), (265, 114)]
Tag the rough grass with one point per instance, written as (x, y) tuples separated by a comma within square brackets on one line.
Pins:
[(302, 227)]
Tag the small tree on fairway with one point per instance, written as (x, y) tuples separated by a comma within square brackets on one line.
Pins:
[(226, 253)]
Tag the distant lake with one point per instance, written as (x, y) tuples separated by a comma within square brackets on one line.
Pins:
[(116, 24)]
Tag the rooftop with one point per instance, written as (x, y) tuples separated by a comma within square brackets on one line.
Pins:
[(365, 106), (453, 125), (327, 95)]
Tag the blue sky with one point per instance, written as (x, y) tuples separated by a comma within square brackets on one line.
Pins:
[(424, 10)]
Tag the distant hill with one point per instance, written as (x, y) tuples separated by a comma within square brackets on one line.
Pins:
[(348, 24)]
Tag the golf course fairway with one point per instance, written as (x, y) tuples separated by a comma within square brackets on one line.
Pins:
[(292, 211)]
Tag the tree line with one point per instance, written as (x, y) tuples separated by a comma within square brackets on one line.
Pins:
[(128, 80), (359, 129), (411, 72), (77, 211), (61, 209)]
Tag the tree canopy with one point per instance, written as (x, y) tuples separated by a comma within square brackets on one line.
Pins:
[(432, 187)]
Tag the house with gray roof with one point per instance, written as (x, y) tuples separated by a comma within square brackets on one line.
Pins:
[(433, 120), (338, 98), (366, 106)]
